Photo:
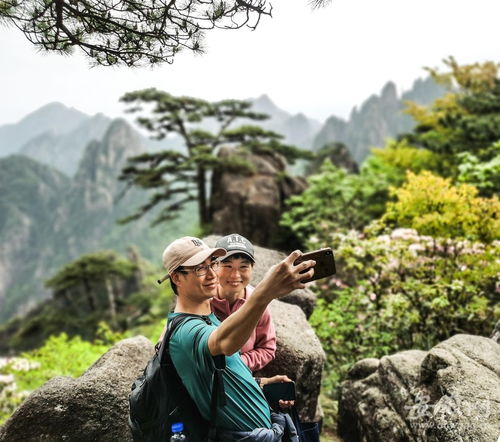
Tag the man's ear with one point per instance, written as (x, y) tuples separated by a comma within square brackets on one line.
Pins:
[(176, 278)]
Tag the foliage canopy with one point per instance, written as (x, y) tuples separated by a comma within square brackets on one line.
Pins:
[(126, 31)]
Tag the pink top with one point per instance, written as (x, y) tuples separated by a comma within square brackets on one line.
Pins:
[(260, 348)]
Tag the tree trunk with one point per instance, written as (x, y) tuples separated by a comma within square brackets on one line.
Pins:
[(111, 300), (202, 197)]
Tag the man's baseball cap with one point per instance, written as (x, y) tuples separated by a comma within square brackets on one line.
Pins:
[(234, 244), (187, 251)]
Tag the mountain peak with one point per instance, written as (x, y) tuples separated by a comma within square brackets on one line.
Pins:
[(265, 105)]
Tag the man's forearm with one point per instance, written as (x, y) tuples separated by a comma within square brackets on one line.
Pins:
[(234, 332)]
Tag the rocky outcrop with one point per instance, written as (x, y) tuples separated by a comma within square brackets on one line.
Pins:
[(299, 355), (265, 259), (449, 394), (91, 407), (251, 204), (95, 406)]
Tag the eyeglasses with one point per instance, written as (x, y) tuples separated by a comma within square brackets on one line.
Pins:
[(201, 270)]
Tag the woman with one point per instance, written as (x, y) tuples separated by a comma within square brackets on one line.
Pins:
[(235, 273)]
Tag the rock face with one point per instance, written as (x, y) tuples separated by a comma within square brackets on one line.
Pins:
[(266, 258), (91, 407), (299, 355), (251, 204), (48, 219), (449, 394)]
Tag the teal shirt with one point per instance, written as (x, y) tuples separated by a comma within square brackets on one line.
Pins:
[(246, 407)]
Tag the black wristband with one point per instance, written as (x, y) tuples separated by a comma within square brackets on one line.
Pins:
[(258, 381)]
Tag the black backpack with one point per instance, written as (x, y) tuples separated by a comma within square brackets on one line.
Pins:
[(158, 397)]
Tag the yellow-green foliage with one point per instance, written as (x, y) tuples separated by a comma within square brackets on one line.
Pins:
[(403, 156), (433, 206)]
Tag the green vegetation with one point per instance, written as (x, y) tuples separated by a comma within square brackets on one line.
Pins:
[(66, 335), (402, 290), (416, 233), (433, 206)]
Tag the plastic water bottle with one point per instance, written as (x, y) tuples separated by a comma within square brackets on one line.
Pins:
[(177, 433)]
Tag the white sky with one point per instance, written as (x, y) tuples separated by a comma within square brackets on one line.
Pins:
[(320, 62)]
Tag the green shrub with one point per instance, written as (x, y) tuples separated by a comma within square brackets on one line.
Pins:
[(59, 356), (336, 200), (402, 291)]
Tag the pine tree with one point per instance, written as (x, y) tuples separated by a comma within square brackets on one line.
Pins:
[(127, 32), (180, 175)]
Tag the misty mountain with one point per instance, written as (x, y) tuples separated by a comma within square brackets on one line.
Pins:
[(53, 117), (378, 118), (298, 130), (48, 219), (64, 151)]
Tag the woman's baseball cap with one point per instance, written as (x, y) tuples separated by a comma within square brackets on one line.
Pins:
[(234, 244), (187, 251)]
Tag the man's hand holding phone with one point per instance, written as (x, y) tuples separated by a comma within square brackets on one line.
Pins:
[(324, 264)]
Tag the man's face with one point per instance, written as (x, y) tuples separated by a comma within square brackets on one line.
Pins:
[(199, 287), (235, 274)]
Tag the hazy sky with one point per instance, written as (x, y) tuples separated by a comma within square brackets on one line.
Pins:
[(320, 62)]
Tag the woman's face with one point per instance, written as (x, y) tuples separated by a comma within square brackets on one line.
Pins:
[(235, 274)]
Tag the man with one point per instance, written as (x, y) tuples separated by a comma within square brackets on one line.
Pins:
[(191, 266), (235, 273)]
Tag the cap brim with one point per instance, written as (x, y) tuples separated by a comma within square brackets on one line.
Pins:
[(159, 281), (238, 252), (202, 255)]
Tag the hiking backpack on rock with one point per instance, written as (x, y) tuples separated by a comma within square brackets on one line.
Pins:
[(158, 397)]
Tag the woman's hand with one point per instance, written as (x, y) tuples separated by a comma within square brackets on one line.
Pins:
[(275, 379)]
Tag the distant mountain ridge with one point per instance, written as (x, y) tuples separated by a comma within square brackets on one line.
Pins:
[(57, 135), (48, 219), (55, 117), (378, 118)]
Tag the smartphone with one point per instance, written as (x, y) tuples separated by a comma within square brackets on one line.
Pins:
[(325, 263), (279, 391)]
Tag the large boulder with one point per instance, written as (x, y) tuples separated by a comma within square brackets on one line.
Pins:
[(91, 407), (451, 393), (266, 258), (252, 203), (299, 355)]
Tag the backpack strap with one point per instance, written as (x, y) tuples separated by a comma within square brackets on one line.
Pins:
[(218, 398), (218, 394)]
